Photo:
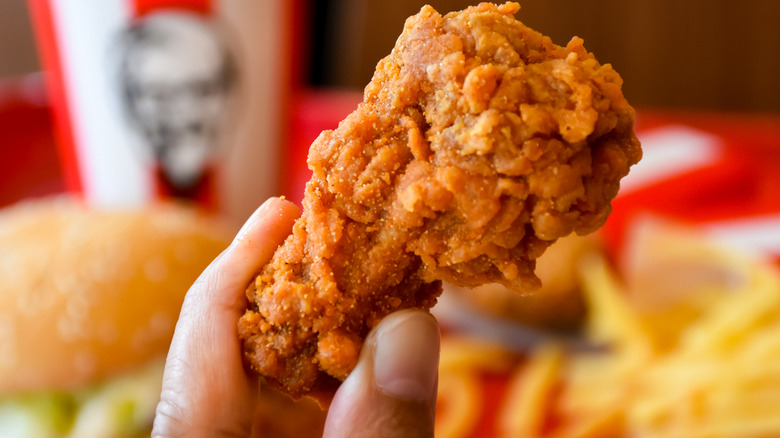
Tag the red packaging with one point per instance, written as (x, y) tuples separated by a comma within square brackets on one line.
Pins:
[(169, 98)]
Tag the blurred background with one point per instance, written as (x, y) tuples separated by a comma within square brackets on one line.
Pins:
[(698, 54), (18, 54), (704, 76)]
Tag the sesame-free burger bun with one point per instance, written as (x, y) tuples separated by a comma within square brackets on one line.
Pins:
[(88, 294)]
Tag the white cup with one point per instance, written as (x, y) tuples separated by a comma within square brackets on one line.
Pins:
[(167, 98)]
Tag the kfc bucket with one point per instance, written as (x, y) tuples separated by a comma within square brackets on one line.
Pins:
[(168, 98)]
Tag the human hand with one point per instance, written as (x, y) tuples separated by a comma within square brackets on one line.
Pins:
[(207, 392)]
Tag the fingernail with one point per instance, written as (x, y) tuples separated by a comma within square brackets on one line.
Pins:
[(406, 358)]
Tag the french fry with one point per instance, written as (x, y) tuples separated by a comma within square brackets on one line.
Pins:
[(701, 361), (604, 424), (612, 319), (461, 362), (460, 352), (459, 403), (705, 365), (529, 395)]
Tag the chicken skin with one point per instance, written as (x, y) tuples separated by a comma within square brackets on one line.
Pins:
[(478, 143)]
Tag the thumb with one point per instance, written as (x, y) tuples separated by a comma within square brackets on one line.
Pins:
[(392, 390)]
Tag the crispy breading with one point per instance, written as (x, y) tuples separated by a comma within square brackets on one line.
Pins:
[(478, 143)]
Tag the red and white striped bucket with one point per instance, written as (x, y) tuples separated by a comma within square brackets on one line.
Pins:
[(169, 98)]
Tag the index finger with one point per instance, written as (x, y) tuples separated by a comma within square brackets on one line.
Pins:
[(205, 388), (252, 248)]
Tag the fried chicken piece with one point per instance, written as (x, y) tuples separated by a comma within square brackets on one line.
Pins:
[(478, 143)]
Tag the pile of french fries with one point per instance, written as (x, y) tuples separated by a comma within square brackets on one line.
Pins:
[(686, 345)]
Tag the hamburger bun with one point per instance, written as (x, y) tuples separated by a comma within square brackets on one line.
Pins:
[(89, 294), (558, 305)]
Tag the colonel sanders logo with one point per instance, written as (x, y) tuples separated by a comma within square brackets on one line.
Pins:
[(176, 75)]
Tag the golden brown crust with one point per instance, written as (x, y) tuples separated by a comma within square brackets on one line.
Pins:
[(478, 143), (89, 294)]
